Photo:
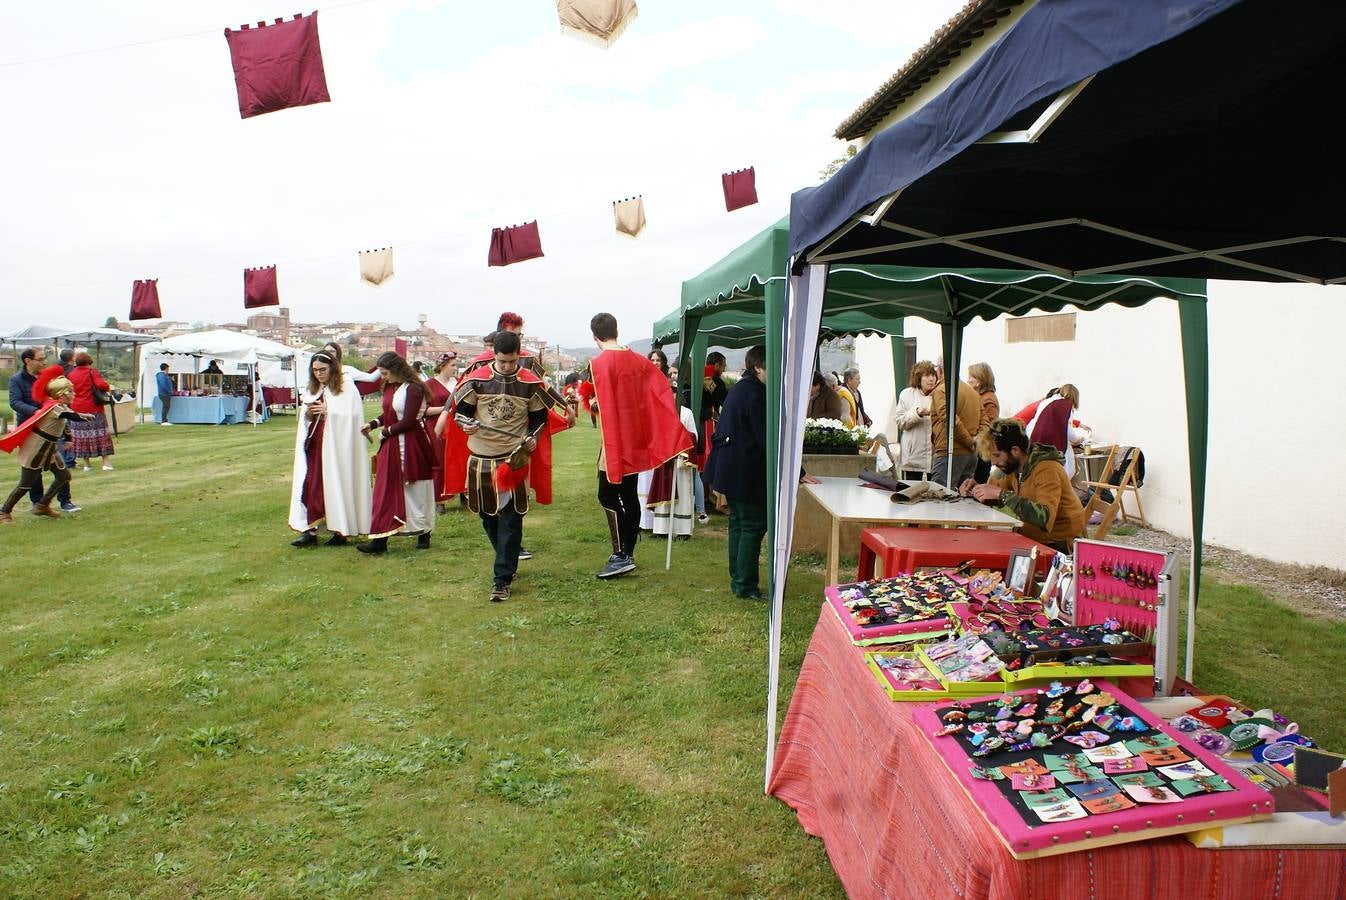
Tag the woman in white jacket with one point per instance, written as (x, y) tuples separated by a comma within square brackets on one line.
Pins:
[(331, 458), (913, 422)]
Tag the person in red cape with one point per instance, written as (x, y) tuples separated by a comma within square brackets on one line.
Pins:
[(440, 386), (502, 409), (560, 416), (404, 489), (641, 429), (34, 442)]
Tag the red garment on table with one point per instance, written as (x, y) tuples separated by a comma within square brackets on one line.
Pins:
[(145, 299), (439, 396), (740, 189), (514, 244), (259, 288), (642, 428), (277, 66), (85, 378)]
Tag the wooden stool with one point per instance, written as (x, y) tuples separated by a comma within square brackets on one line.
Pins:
[(904, 550)]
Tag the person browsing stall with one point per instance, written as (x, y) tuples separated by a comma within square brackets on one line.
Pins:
[(1035, 486)]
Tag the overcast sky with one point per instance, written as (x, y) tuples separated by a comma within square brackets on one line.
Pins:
[(447, 118)]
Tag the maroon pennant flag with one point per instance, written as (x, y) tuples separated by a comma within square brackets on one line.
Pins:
[(400, 347), (514, 244), (145, 299), (277, 66), (259, 288), (740, 189)]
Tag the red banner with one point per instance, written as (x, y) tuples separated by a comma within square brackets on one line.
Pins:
[(277, 66)]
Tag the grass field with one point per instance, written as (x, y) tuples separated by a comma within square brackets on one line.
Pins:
[(190, 706)]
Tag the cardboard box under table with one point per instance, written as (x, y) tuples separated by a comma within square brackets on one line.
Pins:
[(862, 776)]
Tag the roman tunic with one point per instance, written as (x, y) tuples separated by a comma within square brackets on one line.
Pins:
[(517, 404)]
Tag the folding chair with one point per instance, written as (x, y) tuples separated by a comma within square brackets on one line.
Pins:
[(1123, 476)]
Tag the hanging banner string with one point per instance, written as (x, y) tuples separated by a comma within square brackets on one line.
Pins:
[(133, 44)]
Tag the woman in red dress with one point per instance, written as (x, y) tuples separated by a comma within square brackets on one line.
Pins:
[(441, 393), (404, 489), (89, 438)]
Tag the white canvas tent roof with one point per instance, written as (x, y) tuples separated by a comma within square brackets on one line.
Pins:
[(188, 353)]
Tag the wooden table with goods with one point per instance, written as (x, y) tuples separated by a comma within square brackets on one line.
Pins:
[(848, 500)]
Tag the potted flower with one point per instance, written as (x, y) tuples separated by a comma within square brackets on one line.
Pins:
[(833, 436)]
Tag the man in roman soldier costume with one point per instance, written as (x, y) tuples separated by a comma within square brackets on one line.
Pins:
[(560, 418), (641, 429), (34, 442), (404, 489), (331, 457), (502, 408)]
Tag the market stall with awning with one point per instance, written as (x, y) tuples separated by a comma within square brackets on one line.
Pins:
[(1164, 138), (259, 361)]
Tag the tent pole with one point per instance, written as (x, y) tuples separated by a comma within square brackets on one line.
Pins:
[(672, 517), (1196, 370), (792, 325)]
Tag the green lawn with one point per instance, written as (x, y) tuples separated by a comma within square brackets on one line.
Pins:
[(189, 705)]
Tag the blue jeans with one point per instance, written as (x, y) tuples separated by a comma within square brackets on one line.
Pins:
[(63, 495)]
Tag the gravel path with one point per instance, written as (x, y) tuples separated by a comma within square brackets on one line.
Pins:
[(1316, 591)]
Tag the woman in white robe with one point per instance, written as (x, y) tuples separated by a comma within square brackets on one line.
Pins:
[(683, 506), (331, 458)]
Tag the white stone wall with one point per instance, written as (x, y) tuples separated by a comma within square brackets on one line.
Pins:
[(1275, 482)]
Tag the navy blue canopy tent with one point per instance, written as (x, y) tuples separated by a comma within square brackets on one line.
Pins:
[(1166, 138)]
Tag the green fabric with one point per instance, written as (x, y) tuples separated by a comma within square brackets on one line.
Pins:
[(747, 527), (1196, 370)]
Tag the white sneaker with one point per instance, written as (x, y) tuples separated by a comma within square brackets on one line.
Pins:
[(87, 469), (107, 468), (165, 423)]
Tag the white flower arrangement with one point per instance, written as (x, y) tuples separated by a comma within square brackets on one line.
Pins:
[(833, 433)]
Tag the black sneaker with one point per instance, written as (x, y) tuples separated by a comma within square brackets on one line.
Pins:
[(617, 565), (307, 539), (525, 554), (336, 540), (499, 593), (69, 507)]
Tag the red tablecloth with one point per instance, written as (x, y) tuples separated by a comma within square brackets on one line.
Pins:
[(861, 776)]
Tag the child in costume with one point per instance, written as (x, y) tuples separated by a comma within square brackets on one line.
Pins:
[(34, 442)]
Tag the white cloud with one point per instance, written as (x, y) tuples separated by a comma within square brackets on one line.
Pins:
[(135, 164)]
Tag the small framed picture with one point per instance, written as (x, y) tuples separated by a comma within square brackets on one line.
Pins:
[(1019, 572)]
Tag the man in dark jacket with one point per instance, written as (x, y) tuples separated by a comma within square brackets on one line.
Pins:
[(738, 467), (33, 361)]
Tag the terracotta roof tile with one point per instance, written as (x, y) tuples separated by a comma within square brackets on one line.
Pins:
[(944, 46)]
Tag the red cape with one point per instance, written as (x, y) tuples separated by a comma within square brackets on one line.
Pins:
[(455, 443), (10, 442), (641, 426)]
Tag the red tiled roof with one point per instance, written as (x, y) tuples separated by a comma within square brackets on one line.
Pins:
[(955, 36)]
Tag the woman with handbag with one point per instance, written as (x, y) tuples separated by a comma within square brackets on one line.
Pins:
[(92, 392)]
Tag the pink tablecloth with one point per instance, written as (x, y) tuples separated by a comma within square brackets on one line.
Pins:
[(861, 776)]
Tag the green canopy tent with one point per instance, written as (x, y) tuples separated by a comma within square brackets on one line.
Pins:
[(954, 299), (741, 299)]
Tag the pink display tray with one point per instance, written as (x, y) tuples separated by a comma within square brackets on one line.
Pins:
[(1145, 821), (880, 634)]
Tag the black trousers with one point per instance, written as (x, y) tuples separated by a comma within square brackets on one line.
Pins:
[(505, 531), (622, 505), (30, 480)]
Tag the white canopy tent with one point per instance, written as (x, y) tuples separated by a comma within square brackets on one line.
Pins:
[(239, 354)]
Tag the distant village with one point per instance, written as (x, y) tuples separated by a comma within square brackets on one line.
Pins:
[(367, 339)]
